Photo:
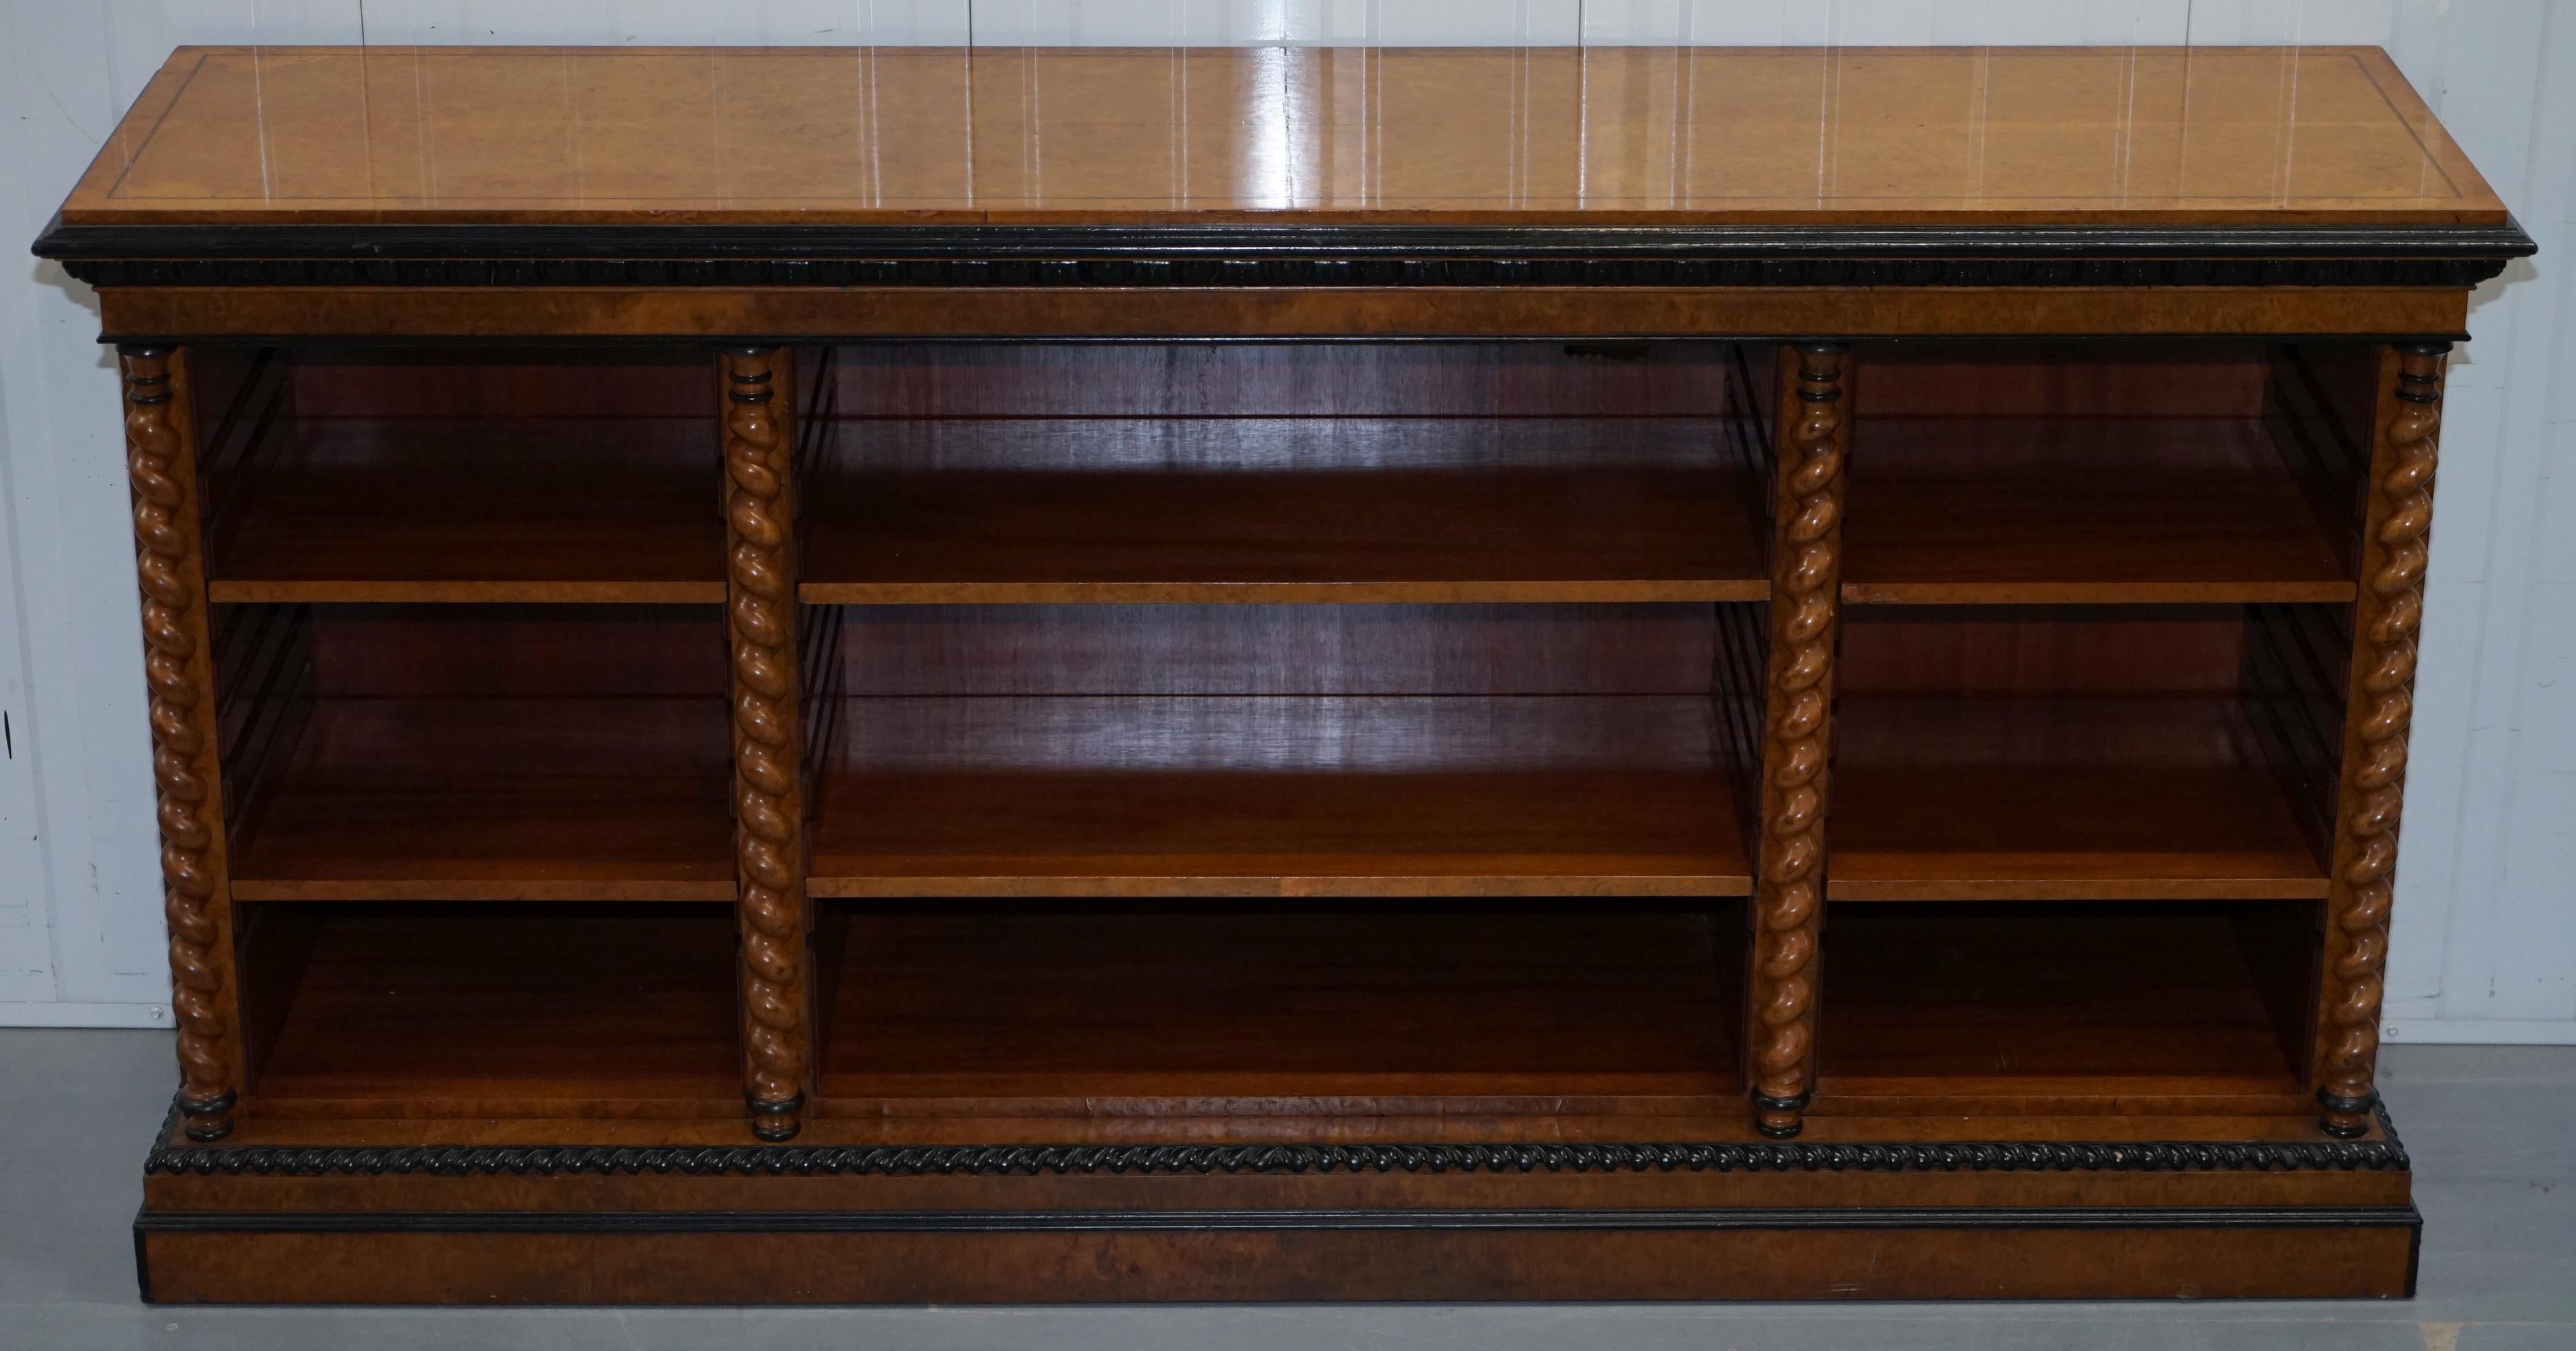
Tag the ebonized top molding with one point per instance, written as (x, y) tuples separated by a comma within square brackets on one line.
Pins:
[(1272, 255)]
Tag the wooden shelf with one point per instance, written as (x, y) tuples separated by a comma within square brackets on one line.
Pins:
[(2034, 797), (1183, 1012), (1218, 510), (2080, 511), (483, 1011), (2029, 1006), (1547, 796), (496, 799), (486, 509)]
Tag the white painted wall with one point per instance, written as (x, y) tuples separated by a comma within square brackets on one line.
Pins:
[(2486, 919)]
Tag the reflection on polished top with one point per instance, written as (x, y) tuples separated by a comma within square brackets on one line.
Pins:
[(1605, 136)]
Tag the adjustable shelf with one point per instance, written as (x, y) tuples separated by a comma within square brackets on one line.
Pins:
[(1277, 796), (496, 799), (2104, 473), (2084, 752), (1327, 509), (415, 476), (461, 752), (478, 510), (2050, 797), (2000, 511)]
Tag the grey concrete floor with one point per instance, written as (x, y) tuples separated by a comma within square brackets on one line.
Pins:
[(2489, 1129)]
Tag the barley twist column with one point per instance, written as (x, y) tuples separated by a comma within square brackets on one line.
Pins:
[(760, 589), (1788, 893), (178, 672), (2397, 526)]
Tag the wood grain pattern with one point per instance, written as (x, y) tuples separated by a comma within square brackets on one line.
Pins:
[(553, 509), (496, 799), (1276, 796), (178, 670), (2040, 1008), (1615, 135), (2329, 1260), (520, 1011), (2082, 510), (712, 313), (2380, 689), (768, 743), (2061, 798), (1806, 555), (1193, 511)]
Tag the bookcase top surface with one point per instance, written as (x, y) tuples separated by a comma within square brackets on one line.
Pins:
[(1549, 138)]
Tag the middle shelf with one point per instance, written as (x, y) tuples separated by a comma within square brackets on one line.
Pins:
[(583, 752), (1277, 796)]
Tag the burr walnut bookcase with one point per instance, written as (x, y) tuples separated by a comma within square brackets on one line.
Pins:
[(824, 675)]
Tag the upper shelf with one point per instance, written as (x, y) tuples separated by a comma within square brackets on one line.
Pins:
[(2080, 511), (912, 137), (476, 509), (1515, 510)]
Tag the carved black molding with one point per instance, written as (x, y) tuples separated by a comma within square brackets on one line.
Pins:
[(1991, 1156), (1056, 1221), (1262, 256)]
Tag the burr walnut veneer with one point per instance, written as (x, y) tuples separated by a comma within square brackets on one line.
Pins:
[(917, 675)]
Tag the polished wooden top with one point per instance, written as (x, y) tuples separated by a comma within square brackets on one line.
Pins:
[(1539, 137)]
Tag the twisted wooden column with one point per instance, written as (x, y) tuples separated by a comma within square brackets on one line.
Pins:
[(1788, 893), (178, 672), (2379, 705), (769, 817)]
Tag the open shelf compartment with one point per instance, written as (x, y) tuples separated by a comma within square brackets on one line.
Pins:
[(430, 474), (1315, 750), (2040, 1008), (467, 1011), (2102, 473), (2003, 753), (466, 752), (1454, 472), (1175, 1010)]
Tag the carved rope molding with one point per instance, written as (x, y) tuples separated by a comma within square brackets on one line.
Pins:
[(1789, 893), (767, 816), (161, 466), (2387, 1154), (2390, 612)]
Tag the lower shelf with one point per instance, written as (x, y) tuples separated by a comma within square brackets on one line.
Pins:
[(2037, 1008), (477, 1011), (464, 1012), (2031, 797), (1555, 1009)]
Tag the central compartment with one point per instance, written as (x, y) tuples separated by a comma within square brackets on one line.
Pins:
[(1273, 750), (1281, 620)]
